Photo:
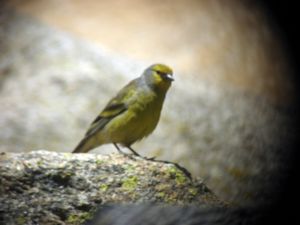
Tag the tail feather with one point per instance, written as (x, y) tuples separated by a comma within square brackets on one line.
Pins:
[(85, 145)]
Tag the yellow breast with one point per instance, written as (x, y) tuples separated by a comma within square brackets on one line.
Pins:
[(137, 122)]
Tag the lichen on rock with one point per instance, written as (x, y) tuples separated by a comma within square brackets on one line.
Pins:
[(62, 188)]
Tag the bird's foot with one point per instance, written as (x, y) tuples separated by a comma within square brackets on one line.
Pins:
[(182, 169), (123, 153), (153, 159), (149, 158)]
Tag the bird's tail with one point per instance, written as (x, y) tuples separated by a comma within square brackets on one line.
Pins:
[(85, 145)]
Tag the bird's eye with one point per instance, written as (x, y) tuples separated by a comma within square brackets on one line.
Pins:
[(160, 73)]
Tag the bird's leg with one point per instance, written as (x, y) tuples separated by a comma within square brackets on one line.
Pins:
[(119, 150), (123, 153), (184, 170), (134, 152)]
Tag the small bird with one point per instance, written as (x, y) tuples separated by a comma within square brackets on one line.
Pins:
[(132, 114)]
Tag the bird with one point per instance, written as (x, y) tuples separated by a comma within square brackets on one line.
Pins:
[(132, 114)]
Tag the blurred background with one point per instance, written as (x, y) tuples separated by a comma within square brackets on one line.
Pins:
[(228, 117)]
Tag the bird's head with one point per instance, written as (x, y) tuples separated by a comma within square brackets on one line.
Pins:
[(159, 76)]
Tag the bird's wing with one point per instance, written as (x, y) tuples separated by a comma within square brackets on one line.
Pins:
[(106, 115), (115, 107)]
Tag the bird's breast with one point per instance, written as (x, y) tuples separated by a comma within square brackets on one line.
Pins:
[(138, 121), (147, 111)]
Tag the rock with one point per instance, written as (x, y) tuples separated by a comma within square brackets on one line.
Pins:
[(42, 187)]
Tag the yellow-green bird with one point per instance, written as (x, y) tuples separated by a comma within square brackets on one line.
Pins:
[(133, 113)]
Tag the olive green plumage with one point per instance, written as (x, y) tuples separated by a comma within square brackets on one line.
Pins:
[(133, 113)]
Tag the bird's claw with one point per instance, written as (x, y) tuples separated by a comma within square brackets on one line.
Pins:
[(150, 158)]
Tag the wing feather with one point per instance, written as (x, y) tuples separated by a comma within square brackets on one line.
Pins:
[(116, 106)]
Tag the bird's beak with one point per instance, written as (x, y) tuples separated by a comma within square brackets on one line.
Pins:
[(170, 77)]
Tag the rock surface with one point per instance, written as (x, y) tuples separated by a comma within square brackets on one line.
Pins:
[(42, 187)]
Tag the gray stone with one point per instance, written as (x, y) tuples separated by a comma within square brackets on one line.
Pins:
[(43, 187)]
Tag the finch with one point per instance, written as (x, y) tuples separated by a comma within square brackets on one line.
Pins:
[(132, 114)]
